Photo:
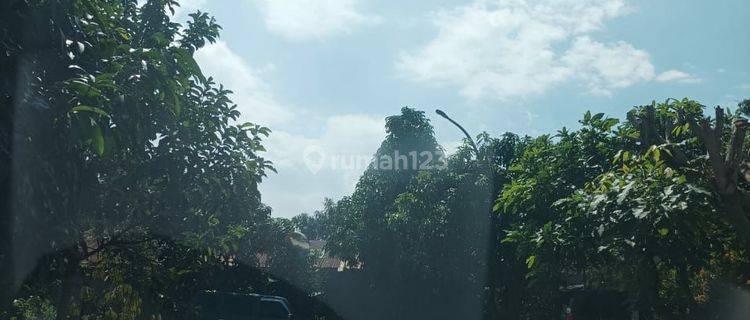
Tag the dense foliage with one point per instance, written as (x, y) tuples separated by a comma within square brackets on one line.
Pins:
[(128, 184), (608, 219)]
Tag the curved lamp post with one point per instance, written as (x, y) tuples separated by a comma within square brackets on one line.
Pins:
[(468, 137), (494, 225)]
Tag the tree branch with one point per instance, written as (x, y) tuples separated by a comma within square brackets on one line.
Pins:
[(702, 129), (736, 150)]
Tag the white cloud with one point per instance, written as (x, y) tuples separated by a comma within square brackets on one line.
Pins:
[(342, 137), (253, 97), (605, 67), (515, 48), (677, 76), (312, 19), (344, 141)]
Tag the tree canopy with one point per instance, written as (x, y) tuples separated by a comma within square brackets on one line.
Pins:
[(131, 185), (639, 209)]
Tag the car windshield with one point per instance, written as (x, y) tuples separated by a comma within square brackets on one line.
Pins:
[(361, 159)]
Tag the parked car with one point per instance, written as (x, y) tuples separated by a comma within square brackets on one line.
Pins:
[(212, 305)]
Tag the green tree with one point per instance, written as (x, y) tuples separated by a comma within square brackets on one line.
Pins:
[(309, 225), (422, 235), (647, 220), (386, 178), (123, 156), (548, 170)]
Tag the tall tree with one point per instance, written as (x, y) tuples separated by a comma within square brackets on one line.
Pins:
[(119, 143)]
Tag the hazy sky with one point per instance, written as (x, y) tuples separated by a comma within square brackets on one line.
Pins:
[(323, 74)]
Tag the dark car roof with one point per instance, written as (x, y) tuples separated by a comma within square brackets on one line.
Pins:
[(249, 295), (213, 303), (208, 295)]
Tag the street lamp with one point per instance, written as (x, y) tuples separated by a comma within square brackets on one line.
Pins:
[(494, 224), (468, 137)]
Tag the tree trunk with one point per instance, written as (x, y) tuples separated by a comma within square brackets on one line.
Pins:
[(726, 168)]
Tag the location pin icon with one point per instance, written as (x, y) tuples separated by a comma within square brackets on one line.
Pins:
[(314, 158)]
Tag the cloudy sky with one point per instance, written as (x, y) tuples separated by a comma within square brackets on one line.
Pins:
[(323, 74)]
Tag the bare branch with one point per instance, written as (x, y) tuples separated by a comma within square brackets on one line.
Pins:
[(719, 128), (735, 152), (649, 136), (726, 169), (648, 127), (712, 141)]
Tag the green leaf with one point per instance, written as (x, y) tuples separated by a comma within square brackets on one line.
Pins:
[(97, 140), (177, 108), (497, 206), (84, 89), (663, 232), (213, 221), (186, 60), (85, 108), (123, 33), (160, 39), (530, 261), (640, 212), (174, 101), (625, 192)]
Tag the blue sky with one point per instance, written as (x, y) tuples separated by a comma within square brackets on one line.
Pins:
[(322, 74)]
